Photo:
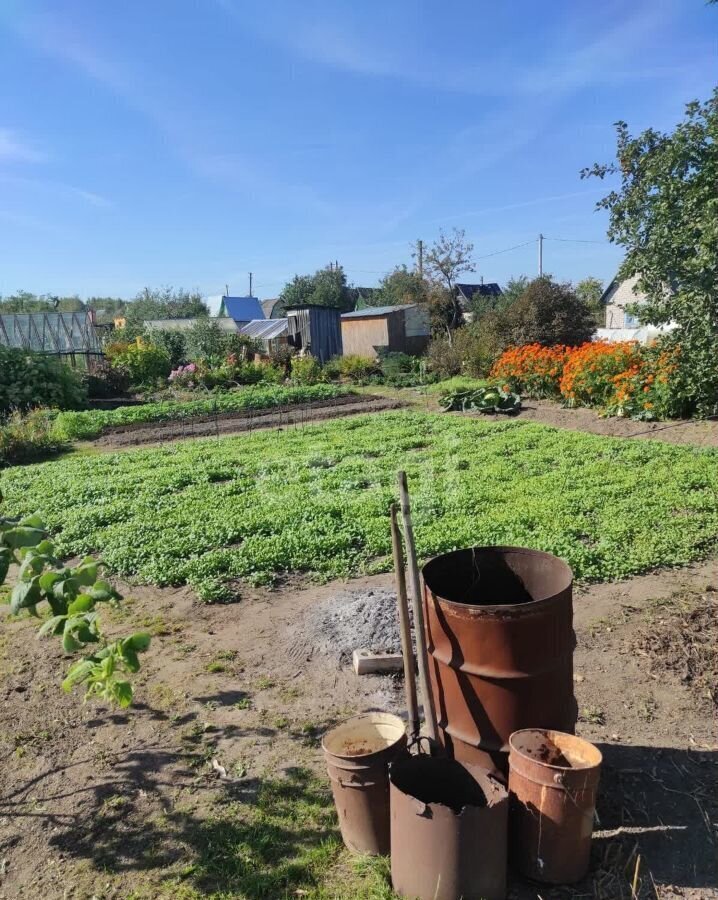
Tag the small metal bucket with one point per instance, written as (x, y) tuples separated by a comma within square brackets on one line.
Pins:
[(448, 830), (358, 754), (553, 779)]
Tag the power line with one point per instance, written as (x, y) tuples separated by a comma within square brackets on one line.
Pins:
[(506, 250), (574, 240)]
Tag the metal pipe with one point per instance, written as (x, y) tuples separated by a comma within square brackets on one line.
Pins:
[(407, 648), (414, 585)]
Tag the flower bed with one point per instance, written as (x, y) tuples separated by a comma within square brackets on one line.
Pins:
[(623, 378)]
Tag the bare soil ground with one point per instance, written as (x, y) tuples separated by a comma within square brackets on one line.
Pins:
[(700, 433), (247, 420), (100, 803)]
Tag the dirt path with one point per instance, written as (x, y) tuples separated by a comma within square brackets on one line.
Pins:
[(102, 803), (234, 423), (698, 432)]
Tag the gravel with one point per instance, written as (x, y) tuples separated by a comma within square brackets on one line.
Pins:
[(351, 620)]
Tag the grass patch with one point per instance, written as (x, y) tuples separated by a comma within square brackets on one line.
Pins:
[(75, 426), (251, 507)]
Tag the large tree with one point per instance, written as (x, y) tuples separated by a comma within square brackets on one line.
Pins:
[(326, 287), (400, 286), (165, 303), (664, 214), (445, 261)]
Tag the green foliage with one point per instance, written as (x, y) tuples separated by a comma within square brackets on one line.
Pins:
[(86, 425), (589, 291), (358, 369), (27, 437), (173, 342), (107, 381), (72, 595), (400, 286), (477, 349), (306, 370), (327, 287), (443, 358), (489, 399), (165, 303), (145, 364), (513, 289), (255, 507), (665, 215), (547, 313), (30, 379), (27, 302)]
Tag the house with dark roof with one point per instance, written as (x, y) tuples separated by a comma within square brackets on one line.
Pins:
[(467, 292), (241, 309)]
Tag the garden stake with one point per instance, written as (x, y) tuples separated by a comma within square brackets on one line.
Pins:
[(421, 654), (407, 647)]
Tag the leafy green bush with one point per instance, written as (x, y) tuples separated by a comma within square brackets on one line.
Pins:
[(174, 342), (306, 370), (86, 425), (72, 595), (107, 381), (477, 347), (358, 369), (27, 437), (443, 357), (145, 364), (30, 379)]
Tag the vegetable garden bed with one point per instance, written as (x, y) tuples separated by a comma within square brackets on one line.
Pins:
[(315, 501), (90, 424)]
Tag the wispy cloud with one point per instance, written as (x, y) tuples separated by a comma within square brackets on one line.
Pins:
[(15, 148), (57, 188)]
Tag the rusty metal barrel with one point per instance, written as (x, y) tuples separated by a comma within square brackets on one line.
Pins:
[(499, 623), (358, 753), (553, 779), (448, 830)]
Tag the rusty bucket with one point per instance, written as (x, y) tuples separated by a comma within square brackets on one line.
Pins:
[(499, 623), (358, 754), (448, 830), (553, 779)]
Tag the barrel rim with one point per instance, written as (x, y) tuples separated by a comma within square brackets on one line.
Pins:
[(528, 605), (550, 732), (388, 718)]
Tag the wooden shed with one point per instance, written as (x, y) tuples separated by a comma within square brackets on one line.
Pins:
[(395, 329)]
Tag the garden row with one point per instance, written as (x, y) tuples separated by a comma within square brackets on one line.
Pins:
[(252, 508), (36, 434), (622, 379)]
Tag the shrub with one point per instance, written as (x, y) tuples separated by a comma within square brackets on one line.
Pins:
[(478, 348), (589, 371), (33, 379), (653, 387), (358, 368), (106, 381), (532, 370), (281, 358), (27, 437), (548, 313), (145, 363), (174, 342), (306, 370), (443, 358)]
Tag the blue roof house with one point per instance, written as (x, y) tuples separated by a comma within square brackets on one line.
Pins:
[(241, 309)]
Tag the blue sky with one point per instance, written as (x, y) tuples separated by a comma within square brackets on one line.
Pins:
[(186, 143)]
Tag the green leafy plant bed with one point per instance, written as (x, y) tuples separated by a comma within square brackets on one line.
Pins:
[(90, 424), (315, 500)]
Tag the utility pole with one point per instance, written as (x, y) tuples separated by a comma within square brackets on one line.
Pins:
[(540, 249), (250, 285), (420, 253), (226, 290)]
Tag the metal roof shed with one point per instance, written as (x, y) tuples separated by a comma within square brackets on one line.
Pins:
[(396, 329), (316, 329)]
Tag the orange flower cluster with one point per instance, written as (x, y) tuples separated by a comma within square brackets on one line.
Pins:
[(590, 370), (533, 370)]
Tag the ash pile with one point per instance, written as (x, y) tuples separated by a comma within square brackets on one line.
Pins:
[(349, 621)]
